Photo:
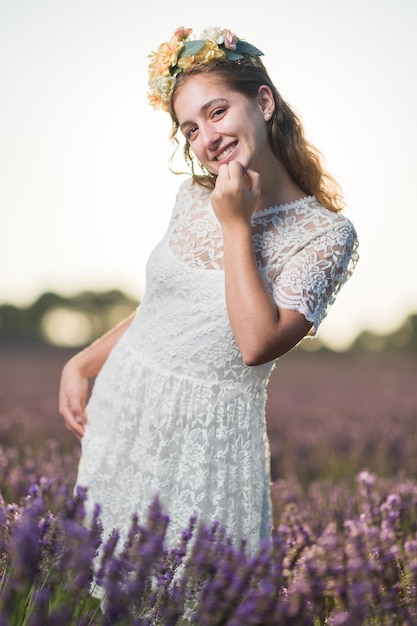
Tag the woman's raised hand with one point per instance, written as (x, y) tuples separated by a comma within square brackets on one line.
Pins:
[(236, 193)]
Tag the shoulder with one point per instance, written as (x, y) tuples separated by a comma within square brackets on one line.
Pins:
[(313, 210), (189, 189), (305, 230), (190, 195), (314, 219), (334, 234), (190, 192)]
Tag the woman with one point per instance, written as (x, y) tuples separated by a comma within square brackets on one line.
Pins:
[(254, 255)]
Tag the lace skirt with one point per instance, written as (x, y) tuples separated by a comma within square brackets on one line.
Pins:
[(202, 448)]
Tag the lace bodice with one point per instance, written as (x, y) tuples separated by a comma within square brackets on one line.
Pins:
[(304, 252), (174, 410)]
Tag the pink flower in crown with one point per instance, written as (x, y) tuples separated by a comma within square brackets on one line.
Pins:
[(183, 33), (230, 39)]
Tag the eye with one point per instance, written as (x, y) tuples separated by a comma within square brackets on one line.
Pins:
[(190, 132), (218, 112)]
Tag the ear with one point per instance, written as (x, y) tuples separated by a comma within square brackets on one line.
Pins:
[(266, 100)]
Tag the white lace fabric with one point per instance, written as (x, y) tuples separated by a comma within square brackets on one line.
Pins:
[(174, 411)]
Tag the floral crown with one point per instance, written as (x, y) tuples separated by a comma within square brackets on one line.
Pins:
[(181, 54)]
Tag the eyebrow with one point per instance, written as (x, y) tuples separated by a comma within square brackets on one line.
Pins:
[(204, 108)]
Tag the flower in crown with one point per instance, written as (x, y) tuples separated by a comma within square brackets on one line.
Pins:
[(181, 54)]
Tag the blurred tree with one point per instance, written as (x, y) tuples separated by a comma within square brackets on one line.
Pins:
[(69, 321), (403, 338)]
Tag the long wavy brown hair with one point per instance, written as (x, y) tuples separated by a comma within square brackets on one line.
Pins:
[(303, 161)]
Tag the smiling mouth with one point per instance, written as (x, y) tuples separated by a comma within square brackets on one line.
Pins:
[(226, 152)]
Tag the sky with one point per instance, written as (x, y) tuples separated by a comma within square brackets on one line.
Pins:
[(86, 191)]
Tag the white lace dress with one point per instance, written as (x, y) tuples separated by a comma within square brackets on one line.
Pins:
[(174, 410)]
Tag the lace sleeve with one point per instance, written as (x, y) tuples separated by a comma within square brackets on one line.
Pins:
[(311, 279)]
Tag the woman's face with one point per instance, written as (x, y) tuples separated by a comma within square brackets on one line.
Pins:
[(222, 125)]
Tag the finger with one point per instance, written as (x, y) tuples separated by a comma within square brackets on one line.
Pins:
[(247, 180), (223, 175), (77, 430), (235, 169), (72, 422), (253, 180), (77, 408)]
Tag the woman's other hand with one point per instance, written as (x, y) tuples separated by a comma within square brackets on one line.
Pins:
[(77, 371), (72, 398)]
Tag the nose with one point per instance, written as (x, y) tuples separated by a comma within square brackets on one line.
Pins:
[(210, 136)]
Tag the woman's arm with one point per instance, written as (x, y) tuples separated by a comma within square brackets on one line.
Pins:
[(76, 373), (262, 331)]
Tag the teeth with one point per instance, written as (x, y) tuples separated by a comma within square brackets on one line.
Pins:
[(225, 153)]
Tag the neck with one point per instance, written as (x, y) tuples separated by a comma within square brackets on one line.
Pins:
[(278, 187)]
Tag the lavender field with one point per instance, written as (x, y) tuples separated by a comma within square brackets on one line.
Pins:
[(344, 551)]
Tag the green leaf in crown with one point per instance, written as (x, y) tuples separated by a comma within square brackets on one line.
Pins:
[(192, 47), (247, 48), (232, 55)]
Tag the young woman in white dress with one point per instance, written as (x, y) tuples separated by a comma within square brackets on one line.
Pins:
[(254, 254)]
